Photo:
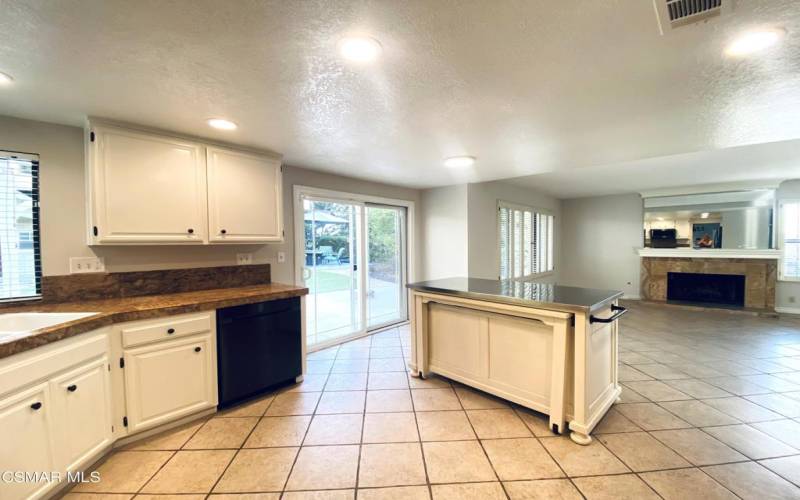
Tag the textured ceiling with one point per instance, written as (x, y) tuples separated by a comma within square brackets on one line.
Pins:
[(527, 86)]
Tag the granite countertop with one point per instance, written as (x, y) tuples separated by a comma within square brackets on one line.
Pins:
[(549, 296), (119, 310)]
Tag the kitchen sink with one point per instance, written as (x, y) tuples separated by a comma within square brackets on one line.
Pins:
[(27, 322)]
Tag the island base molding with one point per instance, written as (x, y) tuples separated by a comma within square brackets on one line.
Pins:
[(553, 362)]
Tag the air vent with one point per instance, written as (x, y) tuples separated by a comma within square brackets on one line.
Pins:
[(676, 13)]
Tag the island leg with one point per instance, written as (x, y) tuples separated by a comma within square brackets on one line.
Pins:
[(557, 380), (417, 363), (581, 439)]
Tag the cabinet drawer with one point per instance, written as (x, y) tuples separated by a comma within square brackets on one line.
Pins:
[(143, 332)]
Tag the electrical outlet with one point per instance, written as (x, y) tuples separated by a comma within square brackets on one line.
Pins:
[(242, 259), (281, 257), (80, 265)]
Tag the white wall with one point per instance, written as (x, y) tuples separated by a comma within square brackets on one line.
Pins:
[(598, 240), (444, 233), (484, 252), (788, 292)]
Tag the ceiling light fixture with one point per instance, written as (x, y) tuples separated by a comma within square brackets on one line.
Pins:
[(459, 161), (222, 124), (360, 49), (5, 79), (754, 41), (704, 215)]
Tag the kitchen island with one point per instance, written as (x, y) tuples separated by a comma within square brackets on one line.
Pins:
[(547, 347)]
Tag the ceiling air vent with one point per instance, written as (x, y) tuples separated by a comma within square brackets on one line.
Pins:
[(676, 13)]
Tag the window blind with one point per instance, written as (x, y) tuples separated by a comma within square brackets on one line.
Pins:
[(526, 241), (20, 256), (790, 232)]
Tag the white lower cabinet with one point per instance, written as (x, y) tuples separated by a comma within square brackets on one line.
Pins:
[(168, 380), (27, 442)]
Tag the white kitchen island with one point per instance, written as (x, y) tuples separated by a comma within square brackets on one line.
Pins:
[(546, 347)]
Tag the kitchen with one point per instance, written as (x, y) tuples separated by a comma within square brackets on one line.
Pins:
[(255, 253)]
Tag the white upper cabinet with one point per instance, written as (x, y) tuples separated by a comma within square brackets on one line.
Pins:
[(244, 197), (146, 188)]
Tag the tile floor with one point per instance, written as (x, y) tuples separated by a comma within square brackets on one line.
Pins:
[(710, 409)]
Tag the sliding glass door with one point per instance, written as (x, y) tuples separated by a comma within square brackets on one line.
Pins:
[(345, 298)]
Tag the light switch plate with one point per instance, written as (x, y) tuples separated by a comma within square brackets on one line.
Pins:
[(242, 259), (80, 265), (281, 257)]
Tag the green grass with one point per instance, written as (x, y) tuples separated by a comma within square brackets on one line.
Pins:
[(328, 281)]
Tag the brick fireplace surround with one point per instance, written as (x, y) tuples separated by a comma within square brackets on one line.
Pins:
[(760, 277)]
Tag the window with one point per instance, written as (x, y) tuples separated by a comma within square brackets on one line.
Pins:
[(20, 261), (526, 241), (790, 240)]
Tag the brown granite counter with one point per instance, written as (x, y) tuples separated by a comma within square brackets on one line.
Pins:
[(120, 310)]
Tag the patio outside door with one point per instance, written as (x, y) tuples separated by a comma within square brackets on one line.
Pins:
[(386, 297)]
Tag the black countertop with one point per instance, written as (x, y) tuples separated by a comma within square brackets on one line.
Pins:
[(549, 296)]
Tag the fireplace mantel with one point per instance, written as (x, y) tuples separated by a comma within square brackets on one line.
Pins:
[(709, 253)]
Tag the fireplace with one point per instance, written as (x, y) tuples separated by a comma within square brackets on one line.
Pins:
[(722, 289)]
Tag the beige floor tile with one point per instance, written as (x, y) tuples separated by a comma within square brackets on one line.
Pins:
[(751, 442), (254, 408), (683, 484), (393, 464), (698, 447), (279, 431), (515, 459), (492, 424), (444, 426), (310, 383), (628, 373), (385, 352), (172, 439), (772, 382), (628, 395), (387, 380), (342, 402), (397, 364), (742, 409), (537, 423), (334, 429), (787, 467), (751, 480), (390, 428), (613, 422), (389, 401), (395, 493), (244, 496), (435, 399), (698, 413), (324, 467), (661, 372), (293, 403), (457, 462), (219, 433), (623, 487), (472, 399), (350, 366), (651, 417), (641, 452), (190, 472), (201, 496), (98, 496), (316, 366), (431, 382), (737, 385), (655, 390), (787, 431), (126, 471), (697, 388), (320, 495), (346, 382), (356, 353), (547, 489), (577, 460), (474, 491), (257, 470), (778, 403)]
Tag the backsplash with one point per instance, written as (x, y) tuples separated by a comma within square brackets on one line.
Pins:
[(79, 287)]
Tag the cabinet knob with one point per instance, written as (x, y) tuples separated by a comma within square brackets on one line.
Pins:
[(222, 231), (36, 405), (190, 231), (170, 331), (198, 349), (72, 388)]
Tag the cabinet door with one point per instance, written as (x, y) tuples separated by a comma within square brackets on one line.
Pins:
[(146, 188), (244, 197), (82, 400), (167, 380), (25, 434)]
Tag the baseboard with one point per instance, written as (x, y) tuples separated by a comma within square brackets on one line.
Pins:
[(631, 297), (787, 310)]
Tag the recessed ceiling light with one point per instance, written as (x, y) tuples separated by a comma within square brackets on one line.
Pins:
[(704, 215), (459, 161), (5, 79), (222, 124), (360, 49), (754, 41)]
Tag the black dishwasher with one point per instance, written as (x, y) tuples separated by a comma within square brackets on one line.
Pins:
[(258, 346)]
